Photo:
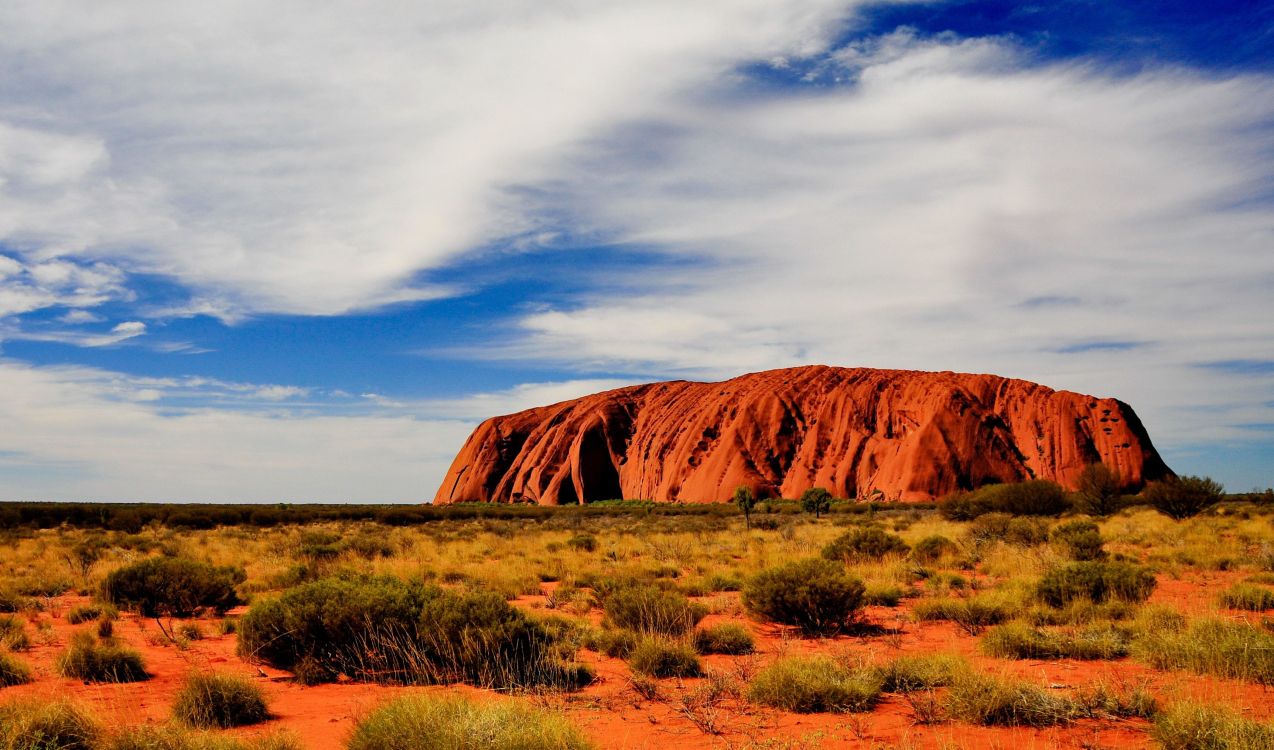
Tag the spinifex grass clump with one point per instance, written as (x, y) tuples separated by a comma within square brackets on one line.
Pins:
[(661, 657), (1021, 641), (13, 671), (387, 630), (453, 723), (815, 595), (174, 737), (172, 587), (13, 634), (649, 609), (38, 725), (220, 700), (910, 673), (1097, 582), (92, 661), (1217, 647), (1249, 597), (815, 684), (973, 614), (1189, 726), (982, 699), (724, 638)]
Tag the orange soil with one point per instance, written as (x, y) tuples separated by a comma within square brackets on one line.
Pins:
[(615, 716)]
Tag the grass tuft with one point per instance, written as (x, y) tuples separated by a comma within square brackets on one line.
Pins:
[(39, 725), (454, 723), (1216, 647), (815, 684), (13, 671), (725, 638), (1248, 597), (1021, 641), (221, 700), (983, 699), (1190, 726), (87, 659), (660, 658)]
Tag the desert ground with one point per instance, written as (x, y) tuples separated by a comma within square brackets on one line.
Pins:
[(663, 629)]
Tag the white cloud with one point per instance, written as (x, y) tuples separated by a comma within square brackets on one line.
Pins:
[(933, 216), (315, 159), (85, 434)]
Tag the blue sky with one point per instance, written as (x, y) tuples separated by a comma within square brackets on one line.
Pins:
[(282, 253)]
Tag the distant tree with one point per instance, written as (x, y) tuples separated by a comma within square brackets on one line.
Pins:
[(816, 500), (1182, 497), (1098, 490), (746, 500)]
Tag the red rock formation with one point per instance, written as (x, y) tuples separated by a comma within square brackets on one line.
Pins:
[(909, 435)]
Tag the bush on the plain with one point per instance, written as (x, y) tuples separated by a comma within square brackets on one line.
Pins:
[(815, 595), (422, 721), (1096, 582), (1080, 540), (220, 700), (1182, 497), (173, 587), (859, 545)]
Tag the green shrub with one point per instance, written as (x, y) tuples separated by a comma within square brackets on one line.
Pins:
[(860, 545), (1096, 582), (11, 601), (172, 587), (931, 549), (1036, 497), (86, 659), (453, 723), (982, 699), (724, 638), (1248, 597), (1020, 641), (815, 684), (584, 542), (84, 613), (660, 658), (723, 582), (13, 671), (1079, 540), (816, 500), (39, 725), (219, 699), (1216, 647), (815, 595), (648, 609), (1098, 491), (1188, 726), (910, 673), (1182, 497), (388, 630), (1004, 527)]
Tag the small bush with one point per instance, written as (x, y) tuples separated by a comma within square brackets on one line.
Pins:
[(814, 595), (584, 542), (1098, 491), (38, 725), (648, 609), (910, 673), (172, 587), (1019, 641), (83, 614), (386, 629), (90, 661), (725, 638), (1188, 726), (1096, 582), (883, 595), (1183, 497), (1004, 527), (982, 699), (1216, 647), (1036, 497), (815, 684), (11, 601), (421, 721), (861, 545), (1079, 540), (13, 671), (931, 549), (221, 700), (660, 658), (1248, 597)]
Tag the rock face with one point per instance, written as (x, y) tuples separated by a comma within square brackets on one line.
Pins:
[(909, 435)]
